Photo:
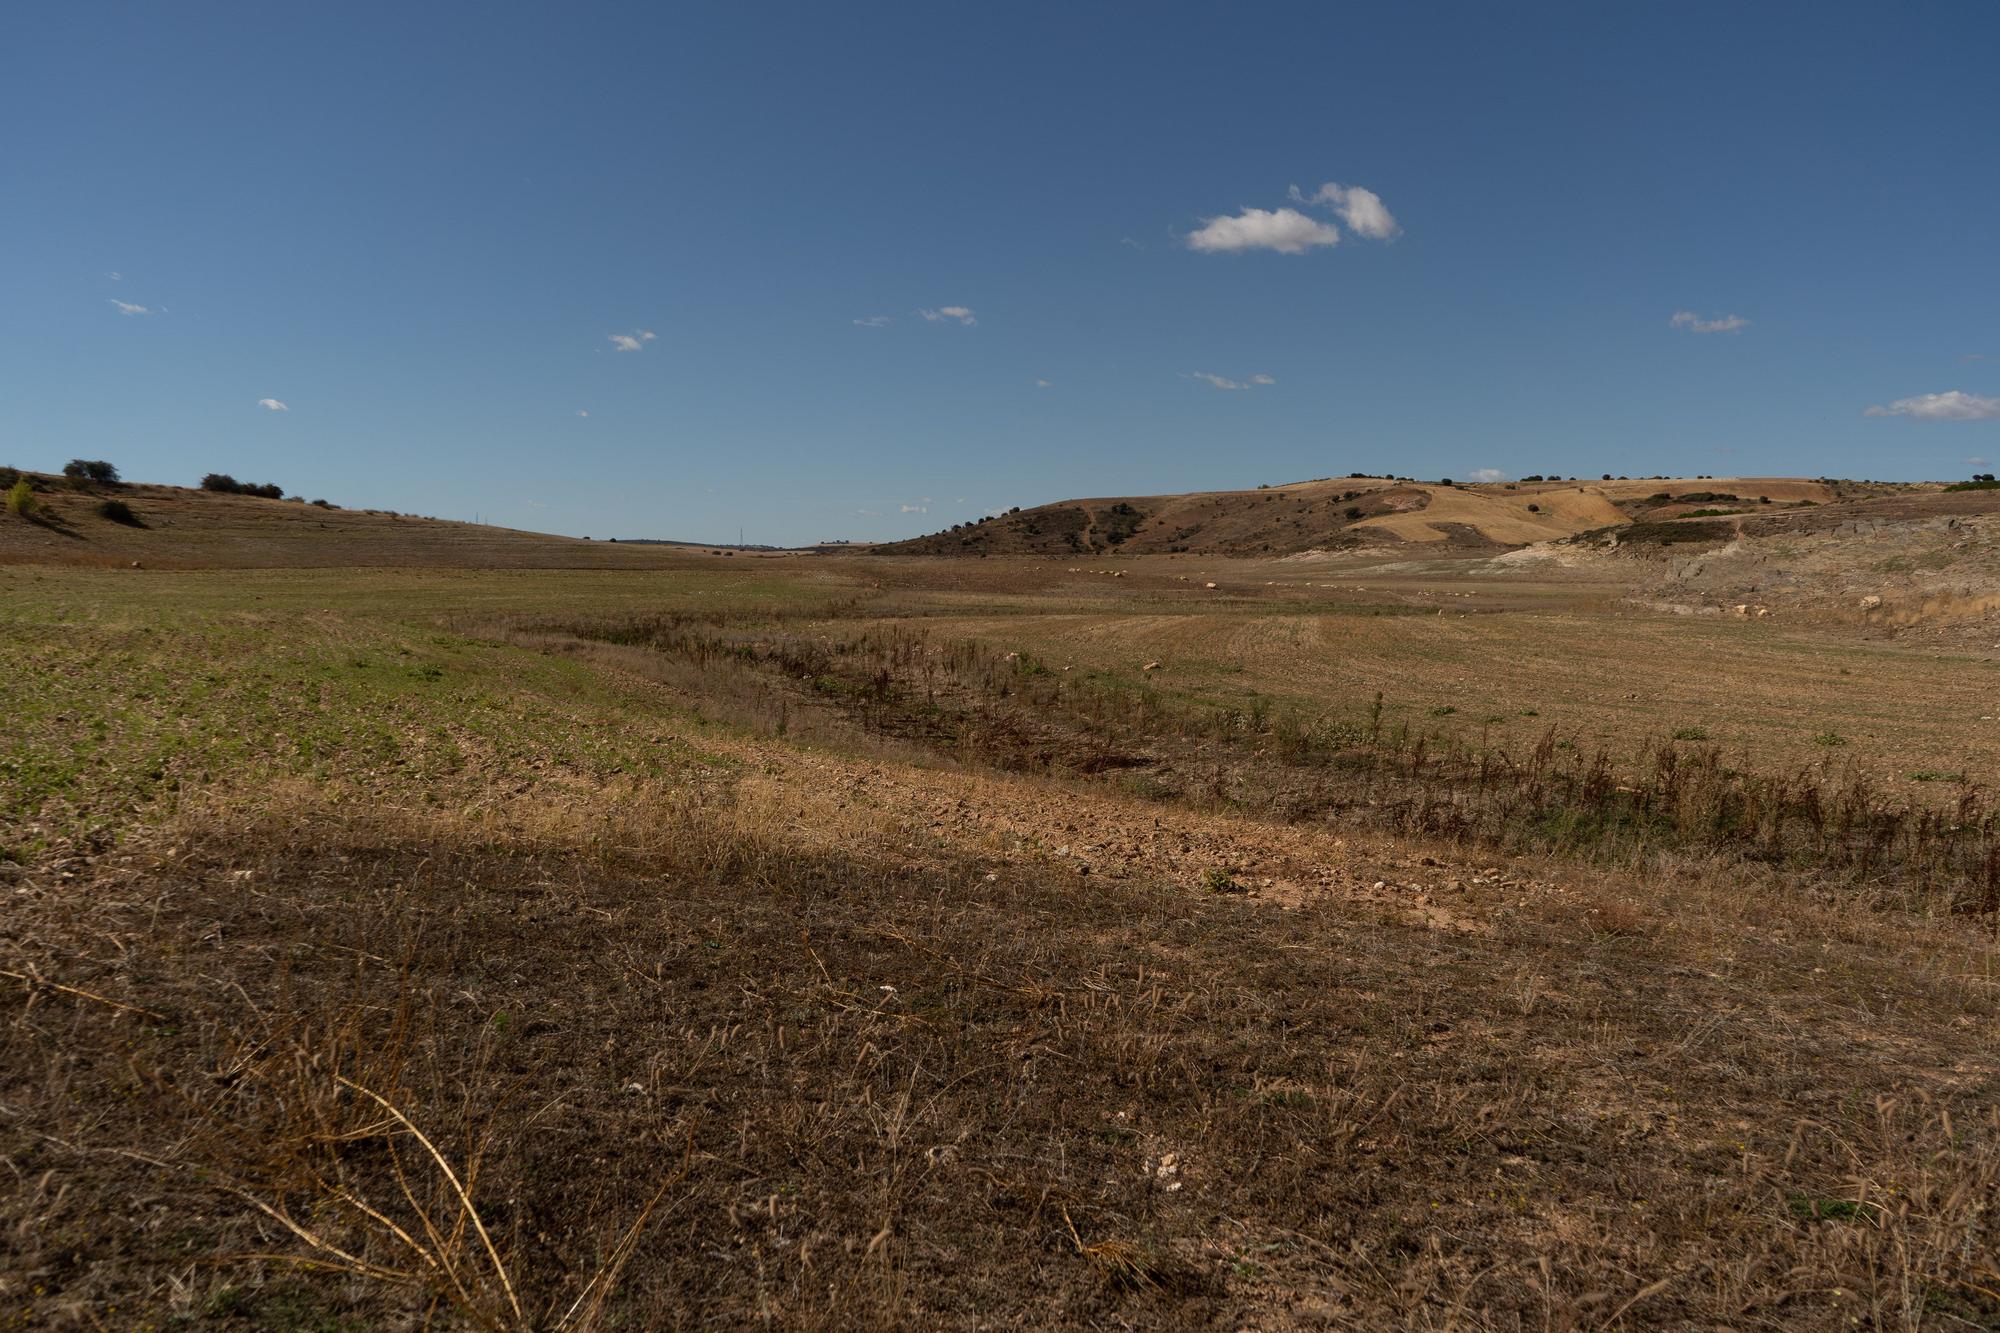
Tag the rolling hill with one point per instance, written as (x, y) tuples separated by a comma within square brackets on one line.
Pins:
[(175, 527), (1346, 513)]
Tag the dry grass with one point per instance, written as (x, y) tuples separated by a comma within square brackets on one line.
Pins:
[(1012, 711), (653, 1063), (361, 971)]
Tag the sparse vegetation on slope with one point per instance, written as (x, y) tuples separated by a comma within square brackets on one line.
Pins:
[(1323, 515)]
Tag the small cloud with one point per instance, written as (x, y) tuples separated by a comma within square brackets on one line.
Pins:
[(581, 412), (874, 321), (632, 342), (1224, 382), (127, 308), (272, 405), (1285, 230), (115, 276), (1693, 323), (869, 513), (1949, 406), (1362, 210), (1975, 356), (1977, 462), (1127, 240), (1487, 475), (945, 313), (916, 509), (1045, 384)]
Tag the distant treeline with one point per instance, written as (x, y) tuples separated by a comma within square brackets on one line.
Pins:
[(228, 485)]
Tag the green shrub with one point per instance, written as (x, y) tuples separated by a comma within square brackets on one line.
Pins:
[(119, 512), (21, 499), (1829, 738), (1217, 880), (1691, 734)]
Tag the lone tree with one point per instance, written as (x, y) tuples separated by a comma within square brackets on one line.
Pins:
[(91, 470)]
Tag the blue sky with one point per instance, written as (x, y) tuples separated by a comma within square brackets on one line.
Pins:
[(420, 228)]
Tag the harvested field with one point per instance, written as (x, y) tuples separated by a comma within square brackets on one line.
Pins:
[(728, 991)]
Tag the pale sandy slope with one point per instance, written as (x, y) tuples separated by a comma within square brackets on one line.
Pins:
[(1563, 509)]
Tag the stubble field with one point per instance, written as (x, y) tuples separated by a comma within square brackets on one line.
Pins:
[(837, 941)]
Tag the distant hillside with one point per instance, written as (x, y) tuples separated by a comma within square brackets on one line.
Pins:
[(173, 527), (1923, 563), (1347, 513)]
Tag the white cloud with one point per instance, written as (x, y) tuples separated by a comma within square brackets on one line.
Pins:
[(1045, 384), (874, 321), (1223, 382), (1362, 210), (1487, 474), (127, 308), (272, 405), (1977, 461), (634, 341), (115, 276), (1951, 405), (963, 314), (581, 412), (1285, 230), (1127, 240), (1693, 323), (916, 509)]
